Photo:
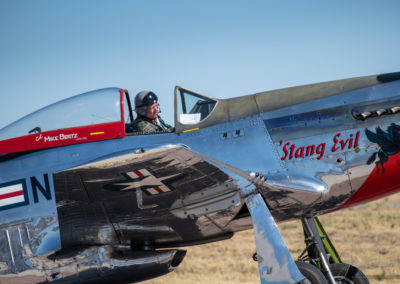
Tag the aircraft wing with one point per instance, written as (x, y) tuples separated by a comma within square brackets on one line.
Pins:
[(152, 185), (168, 191)]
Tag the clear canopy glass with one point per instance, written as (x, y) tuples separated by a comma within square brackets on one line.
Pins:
[(193, 108), (96, 107)]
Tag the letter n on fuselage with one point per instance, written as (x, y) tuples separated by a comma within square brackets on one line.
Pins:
[(44, 190)]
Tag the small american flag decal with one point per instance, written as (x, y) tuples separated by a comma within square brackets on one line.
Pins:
[(13, 194), (143, 180), (150, 180)]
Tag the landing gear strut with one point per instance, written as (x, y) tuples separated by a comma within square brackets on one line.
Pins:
[(321, 253), (319, 263)]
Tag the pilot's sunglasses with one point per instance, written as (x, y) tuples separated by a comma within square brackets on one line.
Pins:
[(154, 106)]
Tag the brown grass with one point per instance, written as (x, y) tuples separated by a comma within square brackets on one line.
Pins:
[(367, 236)]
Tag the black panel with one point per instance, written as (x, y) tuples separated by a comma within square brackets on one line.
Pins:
[(388, 77), (98, 204)]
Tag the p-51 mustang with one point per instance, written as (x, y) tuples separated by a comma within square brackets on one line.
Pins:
[(83, 199)]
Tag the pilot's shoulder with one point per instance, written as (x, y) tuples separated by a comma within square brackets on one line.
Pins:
[(142, 126)]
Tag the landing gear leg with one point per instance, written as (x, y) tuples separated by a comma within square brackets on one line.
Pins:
[(315, 248), (321, 253)]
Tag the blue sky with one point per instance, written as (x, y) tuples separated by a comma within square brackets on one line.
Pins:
[(51, 50)]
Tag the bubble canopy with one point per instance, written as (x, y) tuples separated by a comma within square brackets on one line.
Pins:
[(92, 116)]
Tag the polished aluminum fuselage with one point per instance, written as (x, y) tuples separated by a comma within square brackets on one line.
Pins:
[(312, 155)]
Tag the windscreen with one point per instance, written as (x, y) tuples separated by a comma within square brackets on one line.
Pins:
[(193, 108)]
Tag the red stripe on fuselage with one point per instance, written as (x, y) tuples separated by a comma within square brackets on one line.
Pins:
[(378, 184), (11, 194), (63, 137)]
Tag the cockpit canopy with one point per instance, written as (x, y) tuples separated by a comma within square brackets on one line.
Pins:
[(88, 117), (97, 115), (96, 107)]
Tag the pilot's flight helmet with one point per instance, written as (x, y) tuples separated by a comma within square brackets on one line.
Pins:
[(144, 99)]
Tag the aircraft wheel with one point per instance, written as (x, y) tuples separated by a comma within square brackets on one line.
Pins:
[(348, 274), (312, 274)]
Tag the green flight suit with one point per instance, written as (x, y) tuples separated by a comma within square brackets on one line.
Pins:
[(143, 124)]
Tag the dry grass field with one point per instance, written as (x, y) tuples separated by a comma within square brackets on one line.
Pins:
[(367, 236)]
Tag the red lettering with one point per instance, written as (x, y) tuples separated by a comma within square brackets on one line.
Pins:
[(351, 141), (343, 143), (299, 152), (285, 150), (310, 150), (356, 141), (334, 147), (321, 150), (291, 151)]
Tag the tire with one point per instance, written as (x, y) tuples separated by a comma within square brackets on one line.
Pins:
[(312, 274), (348, 274)]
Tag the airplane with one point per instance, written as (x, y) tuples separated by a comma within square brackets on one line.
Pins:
[(85, 198)]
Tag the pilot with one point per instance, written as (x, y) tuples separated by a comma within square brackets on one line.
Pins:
[(147, 109)]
